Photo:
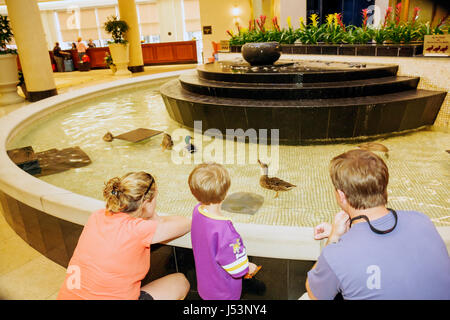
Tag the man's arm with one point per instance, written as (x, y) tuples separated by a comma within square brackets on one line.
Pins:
[(333, 233)]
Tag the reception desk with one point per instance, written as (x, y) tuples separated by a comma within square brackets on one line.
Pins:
[(152, 53)]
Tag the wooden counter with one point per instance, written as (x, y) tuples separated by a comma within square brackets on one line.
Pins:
[(153, 53)]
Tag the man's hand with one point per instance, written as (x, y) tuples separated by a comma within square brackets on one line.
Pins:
[(340, 226), (322, 231)]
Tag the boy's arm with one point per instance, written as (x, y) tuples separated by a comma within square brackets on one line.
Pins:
[(232, 255)]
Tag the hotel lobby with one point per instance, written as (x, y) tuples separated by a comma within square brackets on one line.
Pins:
[(272, 90)]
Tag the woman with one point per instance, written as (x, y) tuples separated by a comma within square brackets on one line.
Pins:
[(113, 253), (81, 48)]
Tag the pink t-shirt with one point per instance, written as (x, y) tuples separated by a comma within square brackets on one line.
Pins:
[(111, 258), (81, 47)]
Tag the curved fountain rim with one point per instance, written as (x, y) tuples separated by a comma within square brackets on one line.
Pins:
[(285, 242)]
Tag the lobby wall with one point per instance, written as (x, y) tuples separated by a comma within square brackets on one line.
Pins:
[(218, 15)]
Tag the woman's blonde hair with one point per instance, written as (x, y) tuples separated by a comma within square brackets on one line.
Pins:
[(209, 183), (362, 176), (127, 193)]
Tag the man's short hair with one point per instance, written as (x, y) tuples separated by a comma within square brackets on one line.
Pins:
[(362, 176), (209, 183)]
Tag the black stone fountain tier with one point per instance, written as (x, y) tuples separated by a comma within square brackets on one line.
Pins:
[(308, 101)]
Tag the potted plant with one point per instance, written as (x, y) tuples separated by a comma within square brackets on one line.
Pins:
[(8, 66), (119, 47), (109, 63)]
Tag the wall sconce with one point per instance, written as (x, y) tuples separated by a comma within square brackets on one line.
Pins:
[(236, 11)]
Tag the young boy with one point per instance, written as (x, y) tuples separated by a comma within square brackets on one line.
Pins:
[(219, 252)]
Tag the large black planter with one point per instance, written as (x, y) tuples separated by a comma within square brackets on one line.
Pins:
[(389, 50), (261, 53)]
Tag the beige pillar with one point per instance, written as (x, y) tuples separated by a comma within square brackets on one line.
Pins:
[(262, 7), (291, 8), (32, 47), (257, 8), (128, 13)]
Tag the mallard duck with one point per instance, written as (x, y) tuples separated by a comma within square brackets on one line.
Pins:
[(167, 142), (273, 183), (375, 146), (108, 137), (189, 146)]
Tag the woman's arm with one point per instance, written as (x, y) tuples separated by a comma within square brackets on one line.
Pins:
[(170, 227)]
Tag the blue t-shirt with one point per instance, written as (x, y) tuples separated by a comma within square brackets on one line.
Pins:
[(409, 263)]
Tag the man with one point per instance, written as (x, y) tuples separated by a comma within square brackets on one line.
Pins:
[(91, 44), (59, 57), (373, 252)]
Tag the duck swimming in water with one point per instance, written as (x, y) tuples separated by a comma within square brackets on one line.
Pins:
[(167, 142), (273, 183), (189, 146), (108, 137)]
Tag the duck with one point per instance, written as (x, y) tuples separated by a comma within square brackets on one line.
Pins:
[(273, 183), (167, 142), (108, 137), (375, 146), (189, 146)]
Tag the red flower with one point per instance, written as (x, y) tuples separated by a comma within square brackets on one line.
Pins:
[(415, 14), (339, 20), (398, 10), (250, 25), (387, 16), (261, 22), (275, 23), (365, 17), (85, 58)]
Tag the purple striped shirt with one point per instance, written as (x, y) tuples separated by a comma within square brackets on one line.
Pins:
[(220, 256)]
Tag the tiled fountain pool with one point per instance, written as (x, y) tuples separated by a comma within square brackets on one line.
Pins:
[(419, 166)]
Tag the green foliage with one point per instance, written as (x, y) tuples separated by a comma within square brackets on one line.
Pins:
[(6, 35), (117, 28), (335, 32)]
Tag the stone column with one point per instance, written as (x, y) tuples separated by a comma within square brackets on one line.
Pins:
[(128, 13), (32, 47)]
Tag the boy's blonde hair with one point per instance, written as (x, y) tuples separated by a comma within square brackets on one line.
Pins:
[(127, 193), (209, 183), (362, 176)]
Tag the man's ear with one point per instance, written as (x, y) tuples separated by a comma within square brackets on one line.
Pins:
[(342, 197)]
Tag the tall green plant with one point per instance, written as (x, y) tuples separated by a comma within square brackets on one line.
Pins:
[(334, 29), (117, 28), (313, 33)]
